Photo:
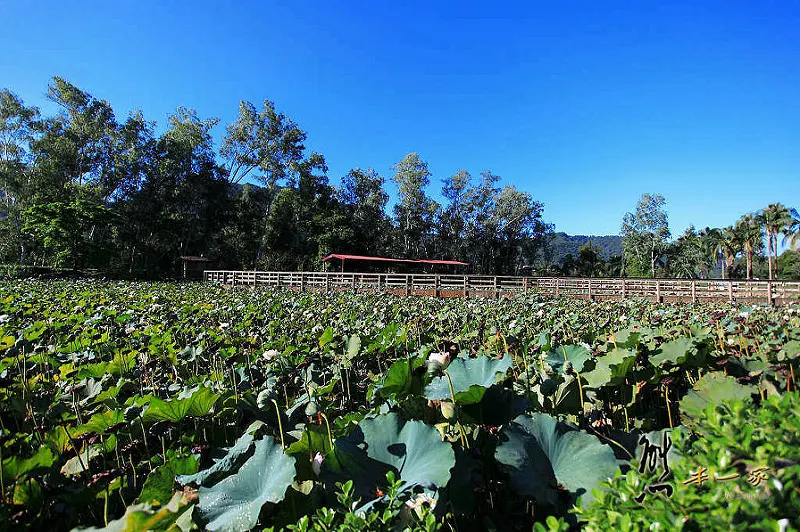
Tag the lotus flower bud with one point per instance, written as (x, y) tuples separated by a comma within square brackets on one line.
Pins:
[(316, 464), (448, 410), (438, 362), (311, 409)]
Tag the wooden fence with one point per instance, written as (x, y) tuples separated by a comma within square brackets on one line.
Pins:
[(663, 290)]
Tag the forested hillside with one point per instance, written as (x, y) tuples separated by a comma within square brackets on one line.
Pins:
[(562, 244)]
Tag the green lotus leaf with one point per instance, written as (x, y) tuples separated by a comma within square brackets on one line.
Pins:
[(145, 517), (176, 410), (544, 454), (576, 354), (100, 423), (791, 349), (471, 377), (14, 466), (233, 504), (627, 338), (159, 483), (712, 388), (412, 449), (673, 353), (224, 465), (610, 368)]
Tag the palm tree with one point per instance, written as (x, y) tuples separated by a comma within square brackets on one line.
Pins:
[(730, 245), (791, 232), (710, 240), (749, 234), (774, 218)]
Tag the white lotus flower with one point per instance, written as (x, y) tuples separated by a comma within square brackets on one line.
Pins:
[(420, 500), (269, 354)]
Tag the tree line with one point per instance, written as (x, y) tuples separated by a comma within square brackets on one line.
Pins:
[(82, 189), (746, 249)]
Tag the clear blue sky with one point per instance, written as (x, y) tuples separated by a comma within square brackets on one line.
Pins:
[(586, 105)]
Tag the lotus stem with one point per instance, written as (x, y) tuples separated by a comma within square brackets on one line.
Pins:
[(2, 481), (78, 454), (627, 423), (464, 441), (280, 423), (669, 410), (328, 426), (105, 508), (791, 369), (133, 469)]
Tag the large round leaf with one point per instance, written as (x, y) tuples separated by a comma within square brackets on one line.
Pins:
[(544, 454), (233, 504), (712, 388), (471, 377), (412, 449), (577, 355)]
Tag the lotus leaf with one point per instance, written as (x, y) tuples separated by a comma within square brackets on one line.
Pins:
[(713, 388), (544, 454), (575, 354), (471, 377), (233, 504)]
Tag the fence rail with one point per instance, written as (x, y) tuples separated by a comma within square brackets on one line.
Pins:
[(665, 290)]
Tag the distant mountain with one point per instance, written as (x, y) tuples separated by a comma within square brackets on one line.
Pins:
[(562, 244)]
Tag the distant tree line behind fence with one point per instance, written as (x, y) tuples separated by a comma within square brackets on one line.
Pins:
[(83, 189)]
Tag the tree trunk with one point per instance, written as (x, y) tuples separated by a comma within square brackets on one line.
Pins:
[(769, 254), (749, 264)]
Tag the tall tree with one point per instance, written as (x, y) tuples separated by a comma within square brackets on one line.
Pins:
[(414, 211), (645, 234), (774, 219), (363, 196), (452, 219), (19, 127), (519, 229), (687, 257), (791, 232), (748, 232), (589, 262), (267, 143)]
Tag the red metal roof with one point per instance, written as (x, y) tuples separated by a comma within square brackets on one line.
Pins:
[(387, 259)]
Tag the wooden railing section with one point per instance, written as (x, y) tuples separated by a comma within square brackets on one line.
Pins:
[(664, 290)]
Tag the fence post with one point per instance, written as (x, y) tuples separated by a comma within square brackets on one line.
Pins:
[(557, 281), (623, 288), (694, 290), (590, 288), (327, 282), (408, 284), (524, 284), (730, 291), (658, 291), (466, 288), (770, 301), (436, 285)]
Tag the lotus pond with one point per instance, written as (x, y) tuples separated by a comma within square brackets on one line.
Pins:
[(147, 406)]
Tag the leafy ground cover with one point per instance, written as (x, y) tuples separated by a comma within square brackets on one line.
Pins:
[(131, 406)]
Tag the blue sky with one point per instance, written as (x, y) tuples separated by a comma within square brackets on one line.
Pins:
[(586, 105)]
